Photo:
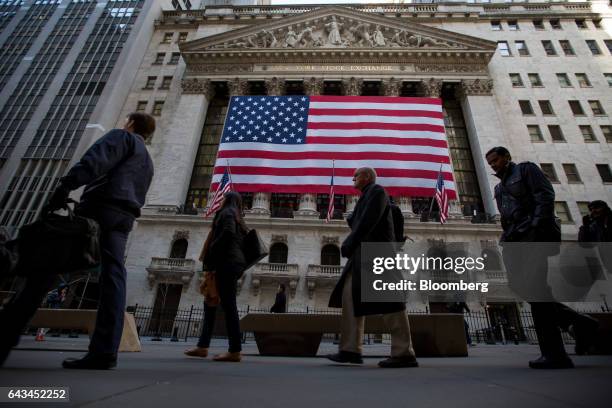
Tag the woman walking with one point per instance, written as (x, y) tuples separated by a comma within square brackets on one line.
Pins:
[(222, 253)]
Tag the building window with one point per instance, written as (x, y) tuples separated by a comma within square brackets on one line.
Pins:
[(157, 108), (608, 79), (330, 255), (546, 108), (534, 80), (604, 172), (526, 108), (576, 108), (581, 23), (167, 38), (522, 49), (556, 134), (549, 171), (166, 81), (516, 80), (174, 58), (587, 133), (179, 249), (513, 25), (555, 24), (278, 253), (564, 81), (182, 37), (535, 134), (549, 48), (496, 25), (583, 207), (597, 108), (538, 24), (562, 212), (572, 173), (503, 48), (606, 130), (150, 82), (592, 44), (608, 45), (583, 80), (159, 58), (141, 106), (566, 46)]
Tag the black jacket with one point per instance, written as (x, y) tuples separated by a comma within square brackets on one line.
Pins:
[(371, 221), (595, 231), (525, 200), (117, 171), (280, 303), (227, 240)]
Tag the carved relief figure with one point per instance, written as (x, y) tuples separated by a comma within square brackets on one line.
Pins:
[(334, 27), (379, 38), (291, 38), (268, 39), (307, 39), (361, 35)]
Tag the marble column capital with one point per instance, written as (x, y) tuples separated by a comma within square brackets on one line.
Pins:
[(352, 86), (475, 87), (391, 87), (238, 86), (275, 86), (432, 87), (313, 86), (198, 86)]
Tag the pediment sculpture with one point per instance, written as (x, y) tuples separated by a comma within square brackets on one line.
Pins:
[(333, 32)]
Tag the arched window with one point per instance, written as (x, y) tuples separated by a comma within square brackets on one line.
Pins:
[(330, 255), (179, 248), (278, 253)]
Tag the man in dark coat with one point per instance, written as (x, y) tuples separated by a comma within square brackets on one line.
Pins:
[(371, 221), (525, 200)]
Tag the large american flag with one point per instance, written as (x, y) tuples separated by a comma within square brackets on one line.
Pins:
[(286, 144)]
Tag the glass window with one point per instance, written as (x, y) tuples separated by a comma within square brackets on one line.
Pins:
[(535, 80), (592, 44), (583, 207), (549, 171), (503, 48), (571, 172), (526, 108), (157, 108), (576, 107), (608, 45), (566, 46), (535, 134), (522, 48), (583, 80), (159, 58), (549, 48), (604, 172), (562, 212), (608, 79), (606, 130), (538, 24), (581, 23), (516, 80), (555, 133), (496, 25), (564, 81), (587, 133), (182, 37), (166, 82), (150, 82), (174, 58), (167, 38), (141, 106), (596, 108), (513, 25), (546, 108), (555, 24)]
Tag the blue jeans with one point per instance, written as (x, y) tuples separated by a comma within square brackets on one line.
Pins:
[(115, 227)]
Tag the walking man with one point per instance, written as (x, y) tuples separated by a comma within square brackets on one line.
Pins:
[(371, 221)]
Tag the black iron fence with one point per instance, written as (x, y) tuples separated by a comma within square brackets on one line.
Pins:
[(182, 324)]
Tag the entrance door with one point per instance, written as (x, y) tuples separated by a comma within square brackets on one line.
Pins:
[(164, 311)]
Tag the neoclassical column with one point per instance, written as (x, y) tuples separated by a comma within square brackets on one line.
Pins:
[(352, 86), (432, 87), (275, 86), (484, 131), (176, 155), (238, 86), (261, 204), (313, 86), (405, 204), (391, 87)]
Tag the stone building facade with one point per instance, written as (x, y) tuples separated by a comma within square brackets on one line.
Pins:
[(535, 77)]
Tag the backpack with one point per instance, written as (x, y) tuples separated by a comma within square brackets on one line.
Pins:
[(398, 223)]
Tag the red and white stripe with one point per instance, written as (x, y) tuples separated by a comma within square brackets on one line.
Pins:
[(217, 199), (403, 139)]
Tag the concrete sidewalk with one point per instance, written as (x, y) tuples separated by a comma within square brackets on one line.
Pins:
[(160, 376)]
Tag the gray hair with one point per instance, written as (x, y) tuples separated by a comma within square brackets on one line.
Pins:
[(368, 171)]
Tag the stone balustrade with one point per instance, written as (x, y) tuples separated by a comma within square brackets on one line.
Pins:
[(171, 270)]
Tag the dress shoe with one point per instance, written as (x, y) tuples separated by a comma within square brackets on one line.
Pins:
[(399, 362), (92, 361), (585, 331), (231, 357), (551, 364), (197, 352), (346, 357)]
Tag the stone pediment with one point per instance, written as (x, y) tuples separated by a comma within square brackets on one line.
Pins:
[(337, 28)]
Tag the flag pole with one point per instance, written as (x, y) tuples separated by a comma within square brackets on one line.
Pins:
[(433, 196), (229, 175)]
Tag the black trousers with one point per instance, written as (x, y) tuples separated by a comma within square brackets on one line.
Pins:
[(227, 276)]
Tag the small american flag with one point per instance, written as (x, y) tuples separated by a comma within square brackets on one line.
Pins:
[(330, 207), (283, 144), (442, 198), (223, 187)]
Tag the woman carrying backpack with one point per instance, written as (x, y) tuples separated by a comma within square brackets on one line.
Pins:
[(223, 254)]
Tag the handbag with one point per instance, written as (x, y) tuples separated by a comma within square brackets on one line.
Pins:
[(253, 248), (208, 288), (58, 244)]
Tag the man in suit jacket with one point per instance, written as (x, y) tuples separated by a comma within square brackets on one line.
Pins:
[(371, 221)]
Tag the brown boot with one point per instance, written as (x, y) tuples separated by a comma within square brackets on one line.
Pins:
[(232, 357), (197, 352)]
